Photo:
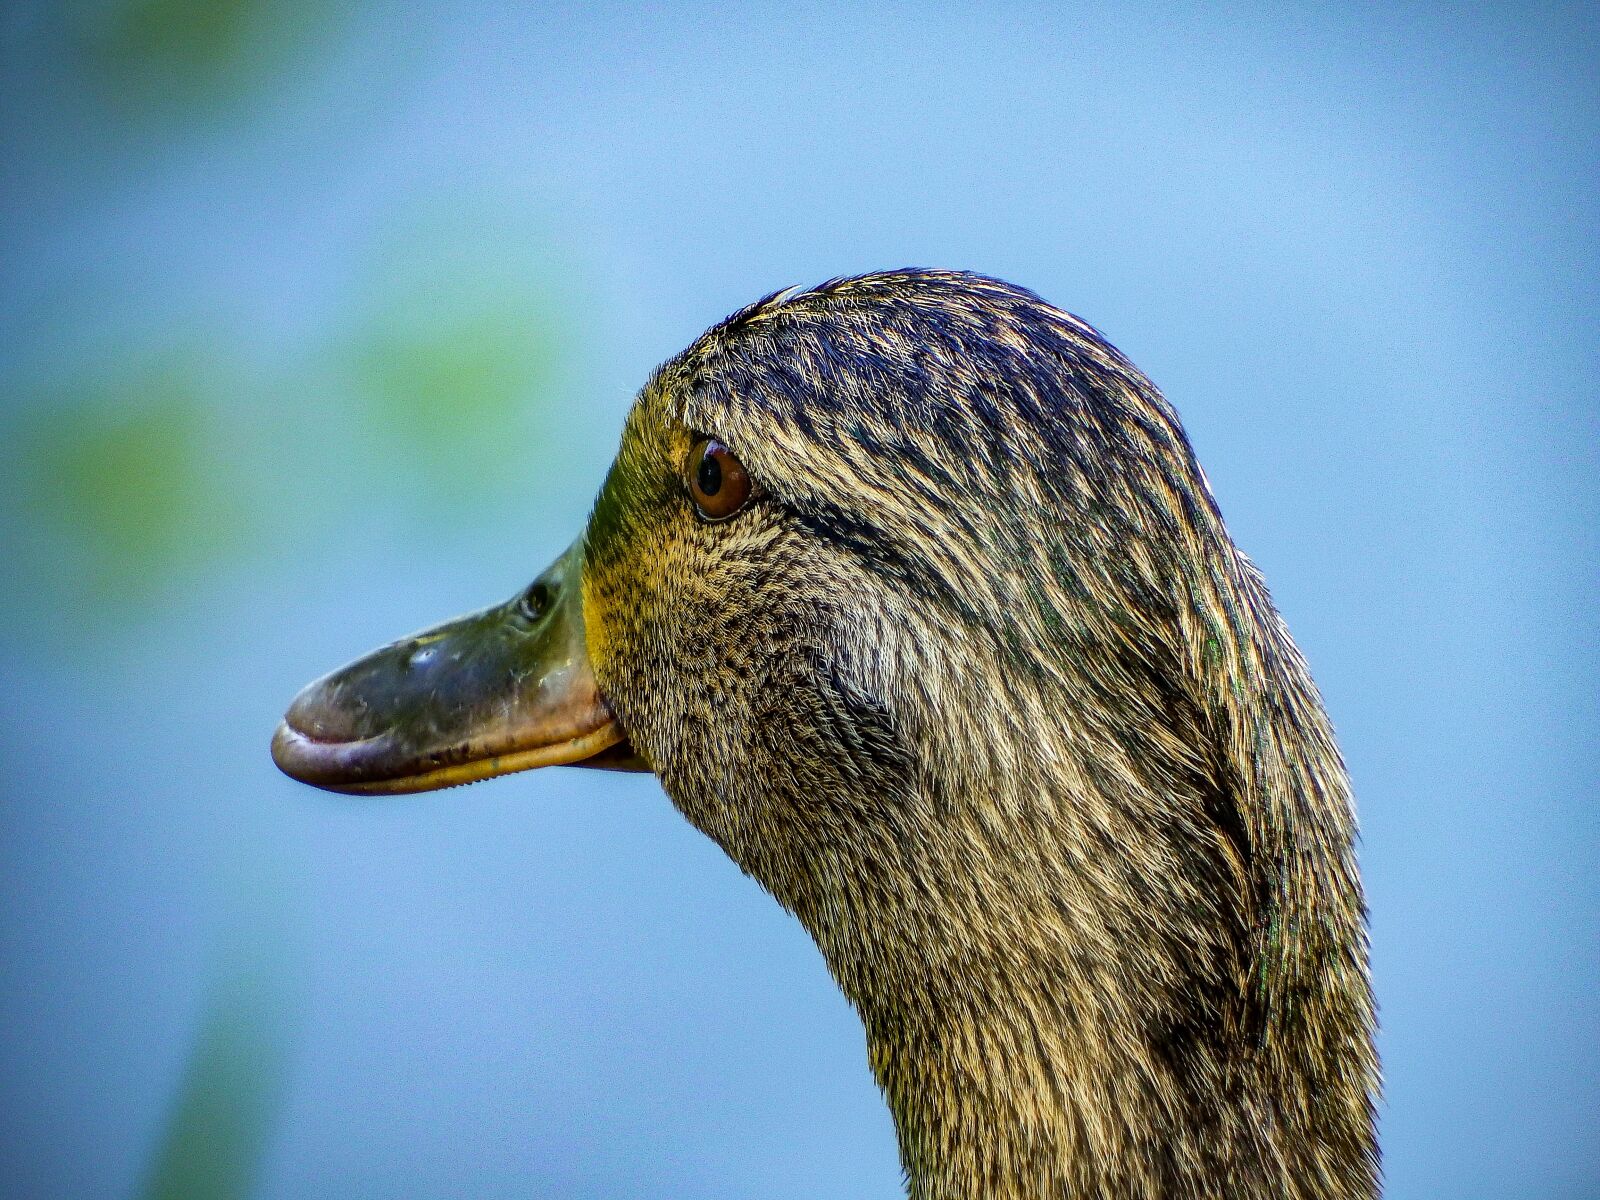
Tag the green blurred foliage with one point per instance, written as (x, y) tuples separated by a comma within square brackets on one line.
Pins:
[(167, 55), (134, 472), (216, 1136), (121, 485), (447, 387), (453, 351)]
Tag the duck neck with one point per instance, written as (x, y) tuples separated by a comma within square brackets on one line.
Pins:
[(1077, 981), (1003, 1105), (1052, 1065), (1010, 1096)]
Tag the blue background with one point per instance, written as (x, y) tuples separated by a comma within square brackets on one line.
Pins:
[(320, 324)]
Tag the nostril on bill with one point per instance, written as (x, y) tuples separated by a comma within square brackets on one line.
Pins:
[(536, 600)]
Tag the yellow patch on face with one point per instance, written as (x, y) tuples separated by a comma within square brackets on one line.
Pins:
[(635, 539), (594, 617)]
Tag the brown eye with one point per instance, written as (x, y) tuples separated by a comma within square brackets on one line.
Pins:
[(718, 484)]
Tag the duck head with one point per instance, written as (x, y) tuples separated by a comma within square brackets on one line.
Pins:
[(910, 591)]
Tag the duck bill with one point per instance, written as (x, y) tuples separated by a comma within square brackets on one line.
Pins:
[(506, 689)]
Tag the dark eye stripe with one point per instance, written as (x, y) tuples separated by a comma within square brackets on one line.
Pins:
[(885, 556)]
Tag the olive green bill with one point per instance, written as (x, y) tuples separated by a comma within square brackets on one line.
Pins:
[(506, 689)]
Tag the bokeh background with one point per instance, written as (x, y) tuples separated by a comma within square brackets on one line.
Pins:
[(318, 323)]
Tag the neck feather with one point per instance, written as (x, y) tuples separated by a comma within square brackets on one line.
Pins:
[(1115, 958)]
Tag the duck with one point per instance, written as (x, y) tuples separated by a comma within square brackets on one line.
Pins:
[(910, 591)]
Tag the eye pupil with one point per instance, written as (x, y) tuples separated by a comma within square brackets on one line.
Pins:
[(709, 476)]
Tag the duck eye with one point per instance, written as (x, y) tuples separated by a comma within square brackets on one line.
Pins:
[(718, 482)]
